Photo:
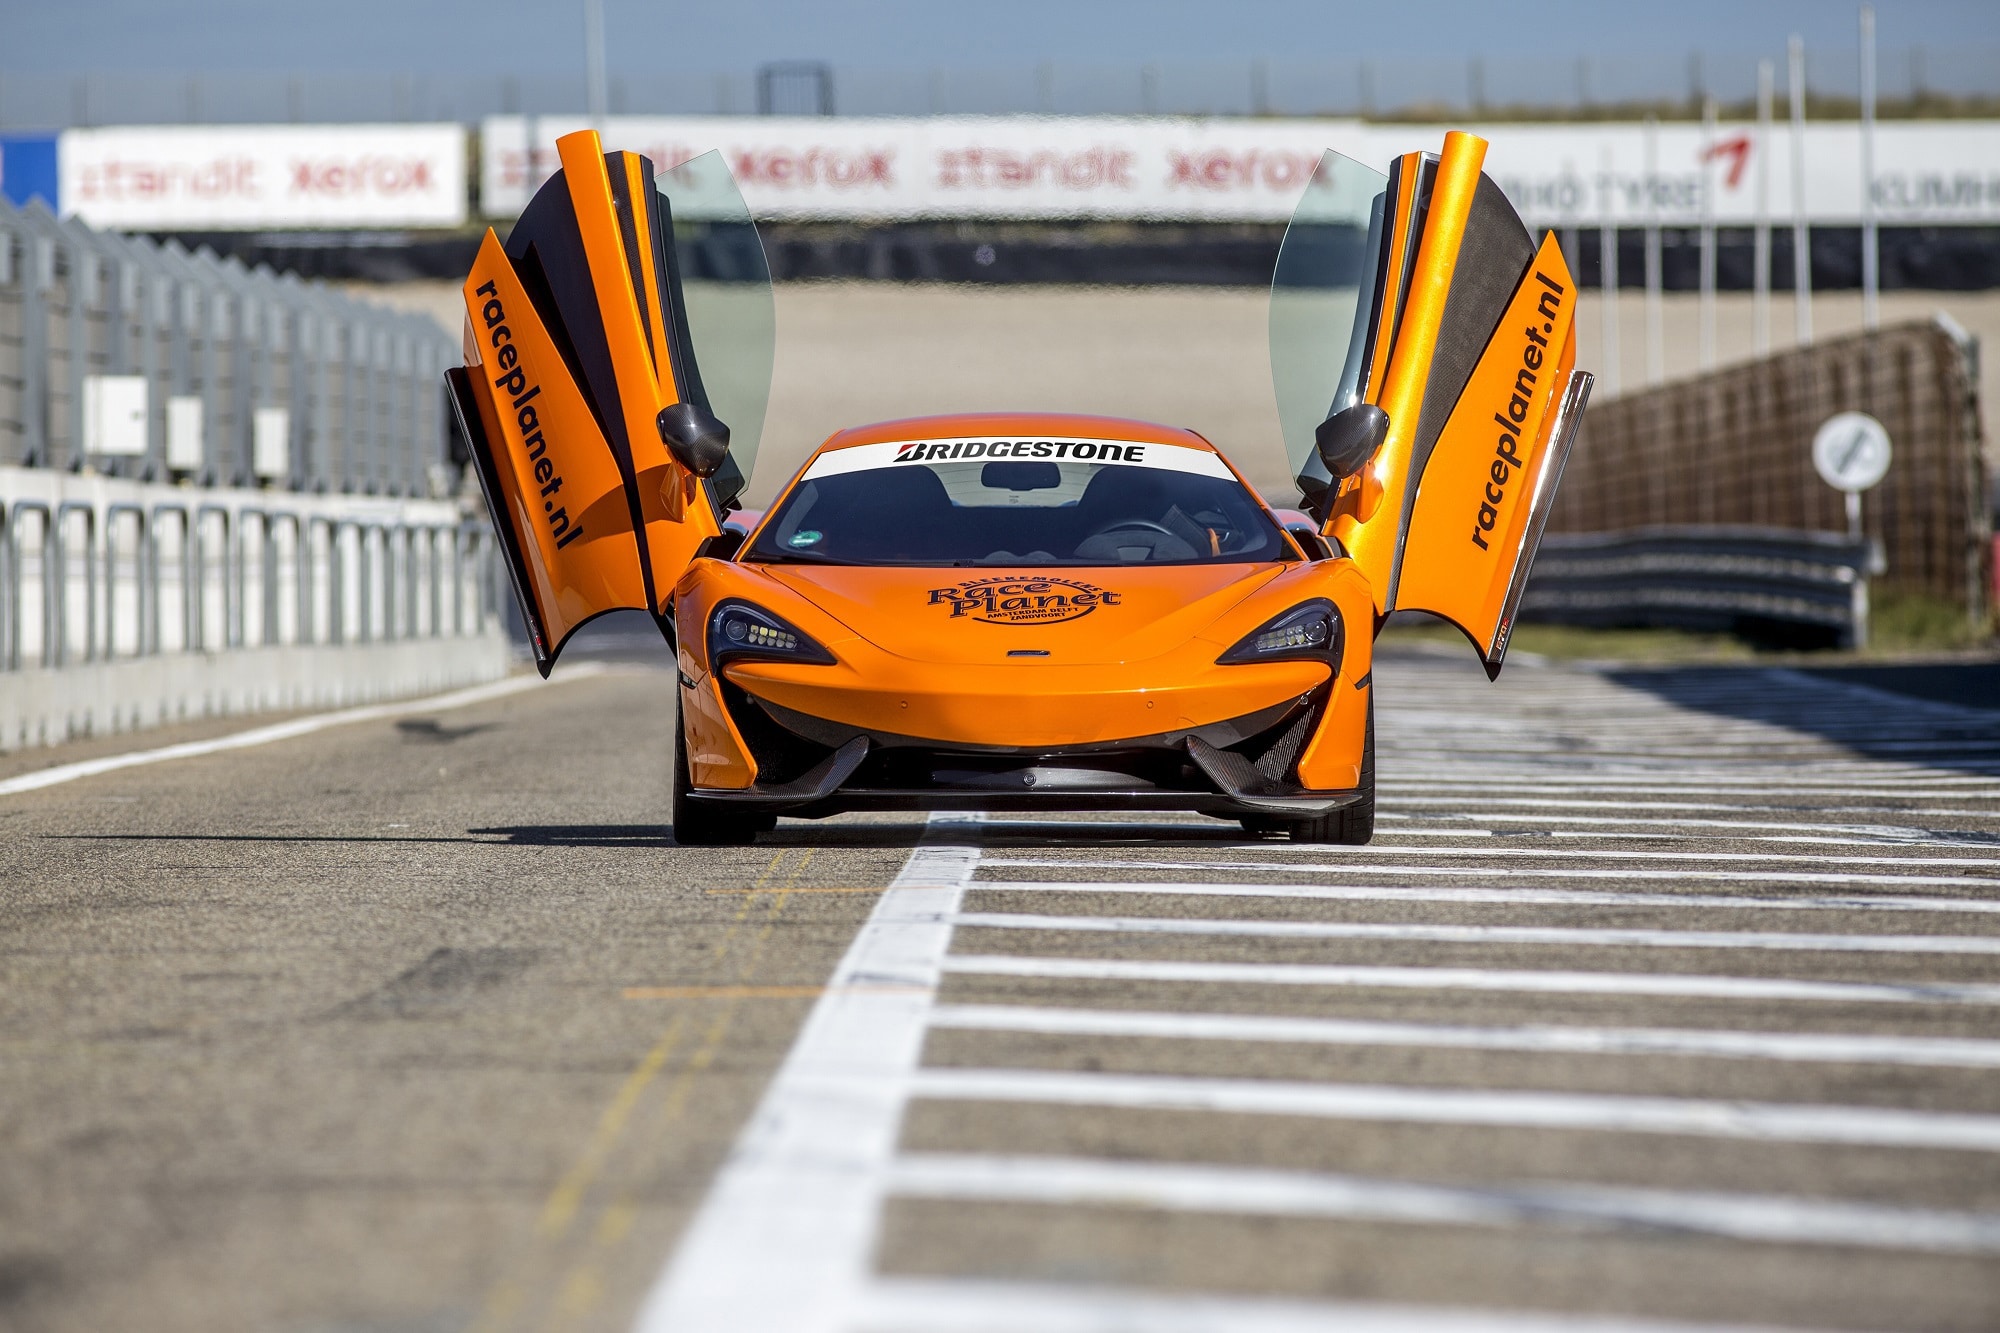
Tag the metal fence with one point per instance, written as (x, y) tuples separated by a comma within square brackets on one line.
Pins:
[(1735, 447), (95, 569), (146, 361), (1333, 85)]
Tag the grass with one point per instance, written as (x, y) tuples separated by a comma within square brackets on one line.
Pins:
[(1902, 622)]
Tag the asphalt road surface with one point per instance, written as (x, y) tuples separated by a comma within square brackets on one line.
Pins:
[(1662, 999)]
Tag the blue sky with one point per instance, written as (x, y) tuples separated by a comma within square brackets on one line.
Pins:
[(534, 36)]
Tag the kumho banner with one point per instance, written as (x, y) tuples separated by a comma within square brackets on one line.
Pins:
[(1931, 172), (163, 178)]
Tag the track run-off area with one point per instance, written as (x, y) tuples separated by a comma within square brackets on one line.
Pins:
[(1664, 998)]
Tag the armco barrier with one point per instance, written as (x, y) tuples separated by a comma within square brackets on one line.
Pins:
[(125, 604), (1765, 583), (1735, 447)]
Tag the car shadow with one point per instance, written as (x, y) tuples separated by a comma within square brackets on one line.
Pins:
[(1932, 715)]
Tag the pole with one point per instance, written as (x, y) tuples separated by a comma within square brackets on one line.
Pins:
[(1607, 265), (1795, 54), (1656, 349), (1871, 276), (593, 61), (1760, 255), (1706, 335)]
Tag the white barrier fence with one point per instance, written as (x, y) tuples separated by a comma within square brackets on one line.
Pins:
[(125, 604)]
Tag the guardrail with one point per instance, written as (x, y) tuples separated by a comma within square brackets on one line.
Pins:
[(1767, 584), (109, 587), (1734, 448)]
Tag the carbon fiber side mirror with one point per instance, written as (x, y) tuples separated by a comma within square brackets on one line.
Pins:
[(1349, 438)]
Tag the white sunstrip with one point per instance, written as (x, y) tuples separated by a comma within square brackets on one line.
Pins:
[(1526, 981), (1397, 893), (1775, 1122), (1763, 1218), (974, 448), (1500, 872), (284, 731), (783, 1239), (960, 1305), (1559, 936), (1538, 1039)]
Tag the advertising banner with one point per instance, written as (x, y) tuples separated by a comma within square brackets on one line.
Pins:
[(166, 178), (1928, 172)]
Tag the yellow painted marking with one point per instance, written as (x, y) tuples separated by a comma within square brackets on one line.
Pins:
[(567, 1196), (732, 892), (720, 992)]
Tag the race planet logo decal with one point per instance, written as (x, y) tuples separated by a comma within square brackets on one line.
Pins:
[(1018, 601), (1507, 459)]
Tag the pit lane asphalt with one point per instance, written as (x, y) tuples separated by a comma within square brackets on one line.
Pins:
[(425, 1024)]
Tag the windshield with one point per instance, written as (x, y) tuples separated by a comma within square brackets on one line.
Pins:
[(1318, 312), (726, 288), (1019, 502)]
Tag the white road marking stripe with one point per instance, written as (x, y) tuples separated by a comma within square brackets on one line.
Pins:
[(1564, 936), (1501, 872), (1618, 854), (783, 1239), (284, 731), (1762, 1218), (1553, 803), (957, 1305), (1471, 978), (1770, 1121), (1510, 897), (1800, 1047)]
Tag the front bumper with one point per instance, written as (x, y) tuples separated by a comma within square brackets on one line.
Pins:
[(812, 766)]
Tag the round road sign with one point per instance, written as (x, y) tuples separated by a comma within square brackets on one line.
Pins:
[(1851, 451)]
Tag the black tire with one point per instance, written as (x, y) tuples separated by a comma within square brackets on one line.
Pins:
[(1351, 825), (699, 823)]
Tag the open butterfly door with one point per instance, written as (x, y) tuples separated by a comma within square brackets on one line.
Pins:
[(1421, 292), (603, 460)]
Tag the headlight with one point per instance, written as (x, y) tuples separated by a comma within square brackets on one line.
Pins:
[(1311, 630), (738, 629)]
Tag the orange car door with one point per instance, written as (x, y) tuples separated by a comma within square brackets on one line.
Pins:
[(1462, 332), (578, 361)]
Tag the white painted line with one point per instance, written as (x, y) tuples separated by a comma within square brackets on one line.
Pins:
[(1801, 1047), (956, 1305), (1529, 981), (1510, 897), (784, 1237), (1562, 936), (1771, 1121), (1619, 854), (1502, 872), (284, 731), (1552, 803), (1761, 1218)]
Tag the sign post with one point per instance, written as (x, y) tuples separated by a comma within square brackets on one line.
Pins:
[(1850, 452)]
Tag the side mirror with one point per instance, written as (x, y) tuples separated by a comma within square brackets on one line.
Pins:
[(1350, 437), (694, 437)]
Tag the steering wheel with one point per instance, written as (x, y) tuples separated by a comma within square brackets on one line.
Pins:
[(1130, 524)]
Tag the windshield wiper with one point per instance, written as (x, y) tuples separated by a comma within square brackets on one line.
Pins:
[(795, 558)]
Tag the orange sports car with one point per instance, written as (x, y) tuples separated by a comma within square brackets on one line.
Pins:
[(1019, 610)]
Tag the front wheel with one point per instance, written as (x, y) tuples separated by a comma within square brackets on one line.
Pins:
[(1351, 825), (699, 823)]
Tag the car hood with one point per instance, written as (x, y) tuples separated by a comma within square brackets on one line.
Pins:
[(984, 615)]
